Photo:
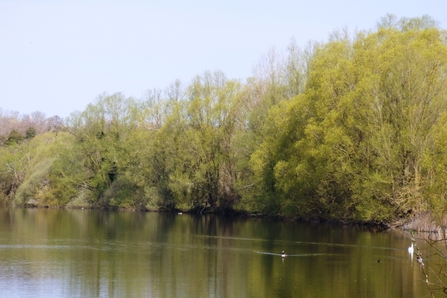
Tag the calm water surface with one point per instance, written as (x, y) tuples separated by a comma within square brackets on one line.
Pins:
[(85, 253)]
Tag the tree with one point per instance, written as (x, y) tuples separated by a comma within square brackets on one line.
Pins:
[(276, 79), (194, 146), (14, 137), (12, 173), (100, 131), (373, 103), (30, 133)]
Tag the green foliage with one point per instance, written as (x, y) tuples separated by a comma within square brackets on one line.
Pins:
[(126, 195), (13, 169), (196, 139), (68, 178), (25, 169), (14, 138), (373, 103), (351, 129), (100, 132), (30, 133), (32, 188)]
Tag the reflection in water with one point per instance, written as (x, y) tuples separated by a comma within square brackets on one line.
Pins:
[(85, 253)]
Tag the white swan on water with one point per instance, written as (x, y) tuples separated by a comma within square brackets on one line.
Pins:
[(411, 249)]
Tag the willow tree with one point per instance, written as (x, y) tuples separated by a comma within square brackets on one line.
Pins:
[(373, 103), (276, 78), (195, 143), (404, 93), (100, 133), (13, 169), (143, 177), (387, 111)]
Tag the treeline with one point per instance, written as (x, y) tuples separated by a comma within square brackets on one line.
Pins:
[(351, 129), (14, 127)]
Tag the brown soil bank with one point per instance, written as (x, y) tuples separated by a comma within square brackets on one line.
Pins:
[(425, 222)]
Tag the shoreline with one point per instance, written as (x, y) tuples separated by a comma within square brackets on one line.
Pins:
[(423, 222)]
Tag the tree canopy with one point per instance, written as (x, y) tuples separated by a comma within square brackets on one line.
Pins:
[(350, 129)]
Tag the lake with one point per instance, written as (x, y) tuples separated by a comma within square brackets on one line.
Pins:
[(91, 253)]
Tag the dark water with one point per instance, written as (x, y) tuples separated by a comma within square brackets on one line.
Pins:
[(84, 253)]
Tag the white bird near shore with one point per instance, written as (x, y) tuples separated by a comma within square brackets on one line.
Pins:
[(411, 249)]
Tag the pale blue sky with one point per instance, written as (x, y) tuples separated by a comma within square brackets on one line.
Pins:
[(58, 56)]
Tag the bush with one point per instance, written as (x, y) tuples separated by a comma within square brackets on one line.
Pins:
[(37, 182)]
